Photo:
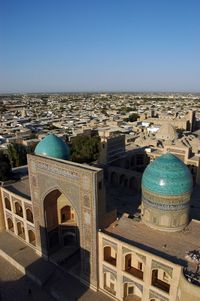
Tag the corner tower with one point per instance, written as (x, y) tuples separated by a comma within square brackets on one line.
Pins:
[(166, 191)]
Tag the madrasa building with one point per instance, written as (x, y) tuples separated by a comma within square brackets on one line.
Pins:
[(61, 208)]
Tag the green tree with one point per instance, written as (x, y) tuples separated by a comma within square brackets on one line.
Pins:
[(133, 117), (5, 167), (17, 154), (85, 149)]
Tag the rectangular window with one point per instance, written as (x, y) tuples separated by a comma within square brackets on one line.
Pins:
[(112, 286), (165, 277), (140, 266), (129, 262), (130, 290)]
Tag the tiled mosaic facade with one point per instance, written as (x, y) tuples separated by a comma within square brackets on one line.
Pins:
[(78, 184)]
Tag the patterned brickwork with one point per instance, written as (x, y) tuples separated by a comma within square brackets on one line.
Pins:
[(78, 184)]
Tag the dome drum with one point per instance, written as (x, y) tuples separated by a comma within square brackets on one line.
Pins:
[(165, 220)]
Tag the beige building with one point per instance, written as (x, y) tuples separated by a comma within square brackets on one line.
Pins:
[(186, 123), (186, 148), (136, 263), (59, 208)]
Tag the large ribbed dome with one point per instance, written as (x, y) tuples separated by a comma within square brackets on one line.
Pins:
[(166, 132), (166, 189), (53, 146), (167, 175)]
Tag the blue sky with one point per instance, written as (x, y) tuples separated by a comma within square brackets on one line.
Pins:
[(99, 45)]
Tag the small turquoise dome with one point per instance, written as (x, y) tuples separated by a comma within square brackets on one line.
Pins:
[(53, 146), (167, 175)]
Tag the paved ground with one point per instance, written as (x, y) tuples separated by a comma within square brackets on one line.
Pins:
[(55, 282), (15, 286)]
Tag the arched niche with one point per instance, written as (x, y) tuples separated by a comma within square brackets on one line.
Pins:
[(10, 224), (7, 203), (61, 221), (110, 255), (131, 292), (134, 264), (20, 230), (29, 215), (110, 282), (18, 209), (161, 279), (31, 237), (114, 178)]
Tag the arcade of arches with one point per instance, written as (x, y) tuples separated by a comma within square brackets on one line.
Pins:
[(19, 218), (126, 270), (124, 179)]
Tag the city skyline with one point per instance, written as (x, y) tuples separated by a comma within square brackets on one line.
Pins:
[(95, 46)]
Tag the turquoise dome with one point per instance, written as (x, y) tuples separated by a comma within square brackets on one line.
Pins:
[(53, 146), (167, 176)]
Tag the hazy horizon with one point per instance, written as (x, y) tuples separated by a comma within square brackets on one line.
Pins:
[(101, 92)]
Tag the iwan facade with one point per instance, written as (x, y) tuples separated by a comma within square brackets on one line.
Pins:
[(126, 258)]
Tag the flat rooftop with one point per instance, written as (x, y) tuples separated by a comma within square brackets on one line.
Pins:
[(21, 188), (21, 171), (169, 245)]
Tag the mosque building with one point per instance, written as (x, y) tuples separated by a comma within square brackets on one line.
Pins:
[(61, 207)]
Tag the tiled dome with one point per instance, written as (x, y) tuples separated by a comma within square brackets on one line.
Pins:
[(53, 146), (167, 175), (166, 191)]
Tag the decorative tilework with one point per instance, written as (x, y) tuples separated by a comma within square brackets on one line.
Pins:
[(138, 285), (159, 265), (166, 191), (53, 146), (109, 243), (167, 175), (155, 295), (109, 270), (126, 250)]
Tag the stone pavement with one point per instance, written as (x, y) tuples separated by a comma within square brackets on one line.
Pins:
[(15, 285), (25, 258), (49, 279)]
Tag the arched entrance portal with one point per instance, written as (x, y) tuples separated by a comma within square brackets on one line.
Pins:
[(60, 222)]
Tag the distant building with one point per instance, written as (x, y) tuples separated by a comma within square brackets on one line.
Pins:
[(186, 123), (112, 146)]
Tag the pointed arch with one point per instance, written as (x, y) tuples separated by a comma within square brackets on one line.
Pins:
[(54, 188), (29, 215), (61, 220), (31, 237), (10, 224), (7, 203)]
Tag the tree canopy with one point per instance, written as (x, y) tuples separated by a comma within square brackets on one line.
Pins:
[(5, 167), (85, 149), (132, 117), (17, 154)]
